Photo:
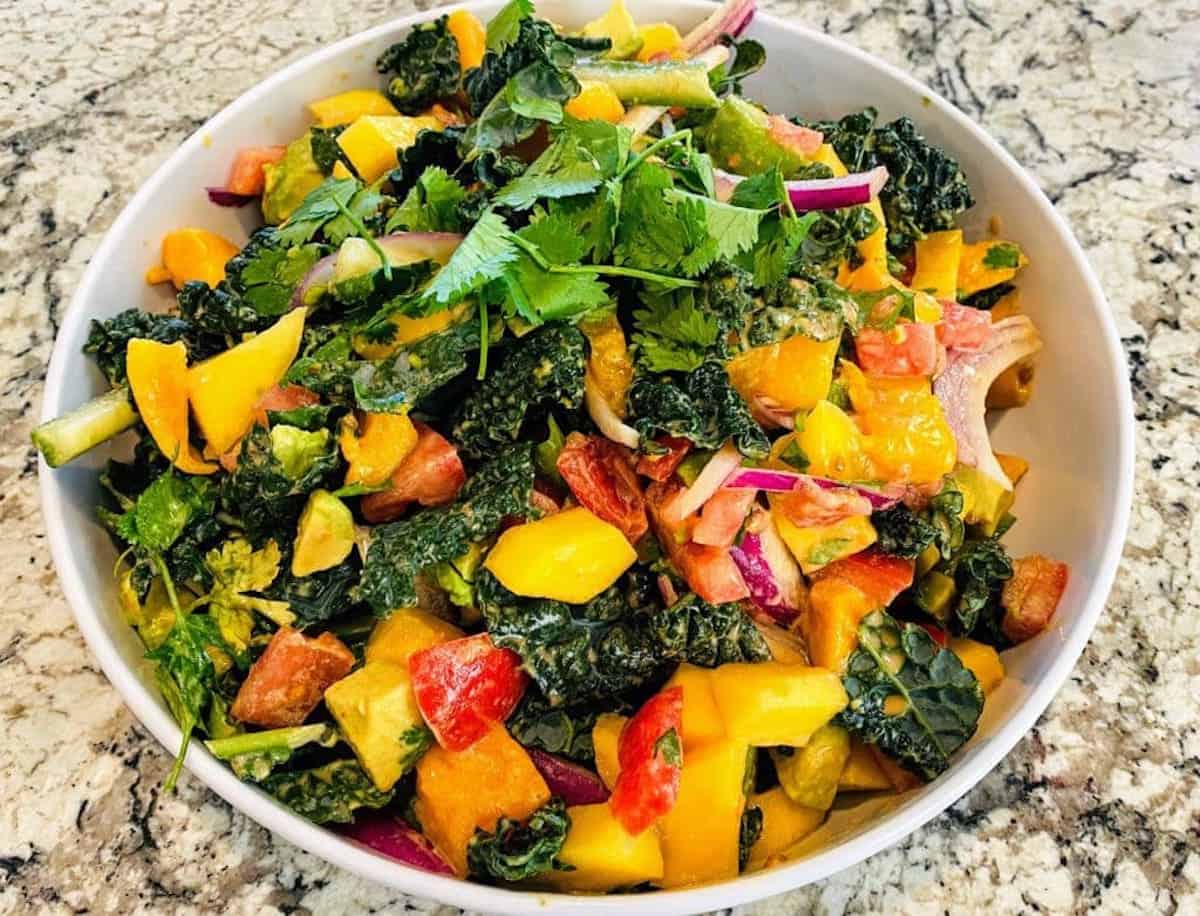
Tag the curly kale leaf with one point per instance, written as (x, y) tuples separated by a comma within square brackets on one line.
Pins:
[(534, 41), (326, 151), (401, 550), (542, 370), (446, 150), (566, 731), (941, 700), (705, 408), (327, 794), (815, 308), (517, 850), (902, 532), (107, 340), (980, 570), (219, 312), (946, 515), (986, 299), (266, 272), (611, 645), (832, 238), (276, 470), (424, 67), (321, 596), (926, 188), (749, 57)]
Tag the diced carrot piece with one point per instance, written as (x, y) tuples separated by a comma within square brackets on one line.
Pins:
[(246, 176), (1031, 596), (290, 677)]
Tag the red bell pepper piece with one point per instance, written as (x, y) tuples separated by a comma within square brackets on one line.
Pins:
[(651, 759)]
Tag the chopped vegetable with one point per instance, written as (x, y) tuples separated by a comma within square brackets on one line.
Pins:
[(290, 678), (650, 755)]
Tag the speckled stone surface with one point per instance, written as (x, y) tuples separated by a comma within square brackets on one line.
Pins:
[(1097, 810)]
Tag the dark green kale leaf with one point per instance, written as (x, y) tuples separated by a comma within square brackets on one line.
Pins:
[(986, 299), (902, 532), (446, 150), (815, 308), (980, 570), (704, 408), (219, 312), (266, 272), (517, 850), (831, 239), (926, 189), (749, 831), (566, 731), (424, 67), (327, 794), (692, 630), (326, 152), (542, 370), (321, 596), (401, 550), (108, 339), (946, 515), (395, 384), (536, 41), (942, 699), (749, 56)]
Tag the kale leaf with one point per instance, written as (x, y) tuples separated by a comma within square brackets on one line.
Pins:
[(902, 532), (541, 370), (980, 570), (326, 151), (986, 299), (815, 308), (424, 67), (401, 550), (704, 408), (832, 238), (749, 56), (327, 794), (749, 830), (219, 312), (321, 596), (445, 149), (517, 850), (941, 700), (108, 339), (566, 731)]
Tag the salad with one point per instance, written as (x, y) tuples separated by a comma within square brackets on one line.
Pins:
[(581, 480)]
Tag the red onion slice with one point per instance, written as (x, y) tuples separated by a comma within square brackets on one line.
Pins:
[(320, 274), (226, 198), (412, 247), (569, 781), (774, 481), (719, 467), (731, 18), (819, 193), (390, 836)]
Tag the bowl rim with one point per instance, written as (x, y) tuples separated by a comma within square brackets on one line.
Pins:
[(318, 841)]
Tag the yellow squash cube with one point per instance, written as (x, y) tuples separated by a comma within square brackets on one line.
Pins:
[(603, 854), (821, 545), (937, 263), (981, 660), (407, 631), (794, 374), (224, 390), (769, 703), (377, 713), (371, 142), (350, 106), (700, 833), (578, 555), (785, 823), (606, 733), (862, 772), (810, 774), (701, 718)]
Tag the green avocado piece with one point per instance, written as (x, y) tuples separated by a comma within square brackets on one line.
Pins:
[(290, 180), (739, 140), (985, 500), (934, 595), (325, 535), (618, 26)]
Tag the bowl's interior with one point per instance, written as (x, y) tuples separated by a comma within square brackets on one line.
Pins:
[(1076, 433)]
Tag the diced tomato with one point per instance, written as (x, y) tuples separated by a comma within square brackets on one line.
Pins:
[(962, 327), (937, 634), (722, 516), (661, 467), (246, 176), (879, 576), (464, 686), (813, 506), (803, 140), (1031, 596), (650, 755), (709, 571), (290, 677), (600, 475), (910, 348), (431, 474), (277, 397)]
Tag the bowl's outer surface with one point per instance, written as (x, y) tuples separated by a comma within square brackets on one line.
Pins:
[(1078, 432)]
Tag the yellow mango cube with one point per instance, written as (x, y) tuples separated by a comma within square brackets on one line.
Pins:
[(829, 624), (224, 391), (603, 854), (826, 155), (983, 265), (659, 38), (833, 443), (701, 718), (785, 823), (408, 330), (770, 703), (349, 106), (606, 734), (578, 555), (596, 101), (794, 374), (821, 545), (371, 142), (158, 379), (700, 833), (407, 631), (862, 772), (937, 263), (981, 660), (374, 447), (810, 774)]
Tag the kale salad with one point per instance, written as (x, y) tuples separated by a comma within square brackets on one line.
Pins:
[(581, 479)]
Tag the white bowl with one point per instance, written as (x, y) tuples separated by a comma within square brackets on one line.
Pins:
[(1077, 434)]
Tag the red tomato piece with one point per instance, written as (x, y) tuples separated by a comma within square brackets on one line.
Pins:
[(651, 759), (290, 677), (803, 140), (962, 327), (937, 634), (910, 348), (464, 686), (600, 475), (709, 571), (277, 397), (879, 576), (722, 516), (431, 474), (1031, 596), (812, 506), (246, 176), (661, 467)]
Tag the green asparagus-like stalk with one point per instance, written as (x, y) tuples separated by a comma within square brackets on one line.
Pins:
[(100, 419)]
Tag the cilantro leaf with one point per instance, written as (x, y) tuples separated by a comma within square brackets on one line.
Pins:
[(506, 24), (1001, 256), (566, 168), (673, 334), (482, 257), (318, 208), (431, 205)]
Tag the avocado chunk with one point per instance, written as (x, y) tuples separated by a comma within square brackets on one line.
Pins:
[(376, 711), (740, 140), (934, 595), (325, 535), (985, 500), (618, 26), (290, 180)]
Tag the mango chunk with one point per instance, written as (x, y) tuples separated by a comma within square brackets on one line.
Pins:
[(794, 374), (603, 854), (348, 106), (986, 264), (596, 102), (834, 444), (459, 791), (579, 556), (606, 734), (377, 713), (821, 545), (194, 254), (701, 718), (981, 660), (785, 823), (766, 704), (937, 263), (470, 36), (371, 142), (700, 834), (158, 379), (405, 632), (829, 624), (810, 775), (659, 39), (375, 447), (862, 773), (225, 390)]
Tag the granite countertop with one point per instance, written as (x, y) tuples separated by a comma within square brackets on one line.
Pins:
[(1096, 810)]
